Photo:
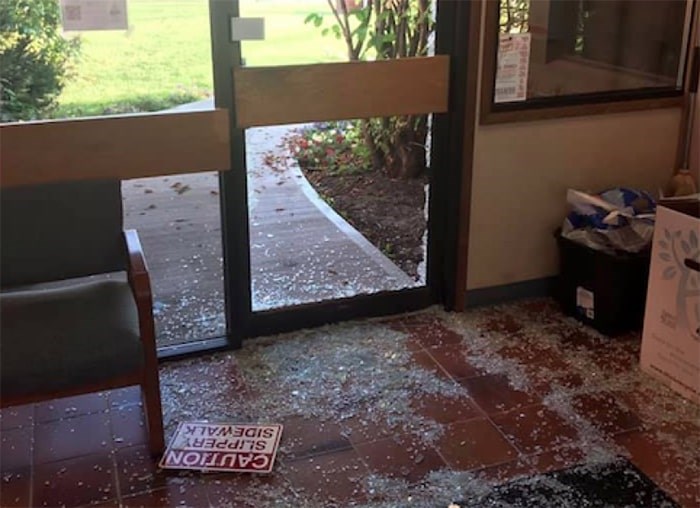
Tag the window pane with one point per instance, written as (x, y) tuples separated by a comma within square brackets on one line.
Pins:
[(592, 46), (66, 59)]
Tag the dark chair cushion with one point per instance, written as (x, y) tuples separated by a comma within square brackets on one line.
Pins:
[(60, 231), (57, 339)]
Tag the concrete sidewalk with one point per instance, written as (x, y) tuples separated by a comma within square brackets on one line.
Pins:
[(301, 250)]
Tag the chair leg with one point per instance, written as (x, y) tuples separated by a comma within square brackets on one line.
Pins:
[(150, 389)]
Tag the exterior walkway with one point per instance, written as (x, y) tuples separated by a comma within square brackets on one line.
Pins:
[(301, 250)]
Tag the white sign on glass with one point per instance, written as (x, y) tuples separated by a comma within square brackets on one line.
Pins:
[(79, 15), (247, 29), (512, 67)]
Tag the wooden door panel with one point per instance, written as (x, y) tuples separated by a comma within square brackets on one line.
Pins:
[(122, 147), (337, 91)]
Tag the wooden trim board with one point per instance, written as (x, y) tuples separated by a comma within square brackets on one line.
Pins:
[(467, 170), (338, 91), (494, 295), (598, 108), (119, 147)]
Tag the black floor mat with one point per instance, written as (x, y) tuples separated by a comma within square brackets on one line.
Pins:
[(615, 484)]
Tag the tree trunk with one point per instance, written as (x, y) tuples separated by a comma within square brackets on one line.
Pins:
[(396, 144), (407, 158)]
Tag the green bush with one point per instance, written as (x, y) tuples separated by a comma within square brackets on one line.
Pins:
[(35, 58)]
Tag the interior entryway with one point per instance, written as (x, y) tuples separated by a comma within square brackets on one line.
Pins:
[(227, 264)]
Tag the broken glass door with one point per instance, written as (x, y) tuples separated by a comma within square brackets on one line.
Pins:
[(333, 212)]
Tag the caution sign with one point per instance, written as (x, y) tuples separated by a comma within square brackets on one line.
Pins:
[(223, 447)]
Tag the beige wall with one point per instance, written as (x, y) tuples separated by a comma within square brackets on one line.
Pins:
[(521, 172)]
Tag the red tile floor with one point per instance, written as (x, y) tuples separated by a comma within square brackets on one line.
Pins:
[(409, 411)]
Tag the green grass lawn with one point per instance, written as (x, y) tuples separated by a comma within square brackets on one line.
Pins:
[(164, 58)]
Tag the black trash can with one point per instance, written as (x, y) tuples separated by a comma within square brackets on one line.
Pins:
[(606, 291)]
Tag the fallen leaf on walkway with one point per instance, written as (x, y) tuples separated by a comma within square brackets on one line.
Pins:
[(175, 185), (150, 207), (147, 191), (214, 193), (183, 189), (279, 209), (269, 159)]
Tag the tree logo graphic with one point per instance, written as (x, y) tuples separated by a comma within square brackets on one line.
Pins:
[(681, 256)]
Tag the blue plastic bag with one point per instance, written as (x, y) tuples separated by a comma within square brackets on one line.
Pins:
[(615, 220)]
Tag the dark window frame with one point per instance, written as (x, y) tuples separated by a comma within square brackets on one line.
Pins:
[(568, 105)]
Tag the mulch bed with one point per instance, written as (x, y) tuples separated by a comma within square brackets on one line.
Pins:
[(388, 212)]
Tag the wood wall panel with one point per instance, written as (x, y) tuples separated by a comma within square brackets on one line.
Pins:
[(323, 92), (123, 147)]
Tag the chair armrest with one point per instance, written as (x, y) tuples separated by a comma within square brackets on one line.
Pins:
[(140, 283), (139, 280), (136, 260)]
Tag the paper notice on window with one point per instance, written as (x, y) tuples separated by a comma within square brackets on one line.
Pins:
[(93, 15), (512, 68)]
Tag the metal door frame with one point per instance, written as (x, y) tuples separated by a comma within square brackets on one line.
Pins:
[(453, 21)]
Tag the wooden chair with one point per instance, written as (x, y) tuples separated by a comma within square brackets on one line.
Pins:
[(63, 332)]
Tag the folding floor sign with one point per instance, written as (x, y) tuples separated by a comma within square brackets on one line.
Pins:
[(233, 447)]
